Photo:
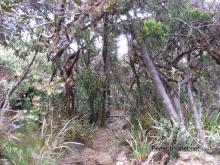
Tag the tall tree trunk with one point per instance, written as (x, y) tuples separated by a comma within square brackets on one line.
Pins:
[(167, 103), (106, 69), (196, 117)]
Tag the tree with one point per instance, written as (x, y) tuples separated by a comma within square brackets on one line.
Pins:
[(171, 40)]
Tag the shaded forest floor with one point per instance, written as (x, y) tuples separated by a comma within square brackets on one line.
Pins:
[(107, 147)]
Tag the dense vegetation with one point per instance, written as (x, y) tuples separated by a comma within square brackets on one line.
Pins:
[(65, 66)]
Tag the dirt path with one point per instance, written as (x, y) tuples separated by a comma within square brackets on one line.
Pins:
[(108, 149), (107, 145)]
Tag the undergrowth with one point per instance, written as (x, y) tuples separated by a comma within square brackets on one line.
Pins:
[(44, 147), (167, 134)]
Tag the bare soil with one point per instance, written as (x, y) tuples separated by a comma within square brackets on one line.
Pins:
[(107, 145)]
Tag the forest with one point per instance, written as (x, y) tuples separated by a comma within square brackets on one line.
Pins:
[(109, 82)]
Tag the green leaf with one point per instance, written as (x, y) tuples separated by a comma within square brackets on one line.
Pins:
[(154, 30), (196, 14)]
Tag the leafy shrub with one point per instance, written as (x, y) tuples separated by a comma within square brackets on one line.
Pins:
[(155, 30), (37, 76), (196, 14)]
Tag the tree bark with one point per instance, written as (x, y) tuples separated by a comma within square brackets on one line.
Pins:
[(196, 117), (175, 95), (106, 69), (167, 103)]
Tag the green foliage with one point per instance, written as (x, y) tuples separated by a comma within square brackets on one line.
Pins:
[(36, 86), (27, 153), (138, 141), (87, 36), (43, 145), (11, 148), (90, 89), (155, 30), (90, 81), (212, 121), (171, 135), (196, 14), (5, 6), (30, 118), (211, 125), (78, 2), (46, 146)]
